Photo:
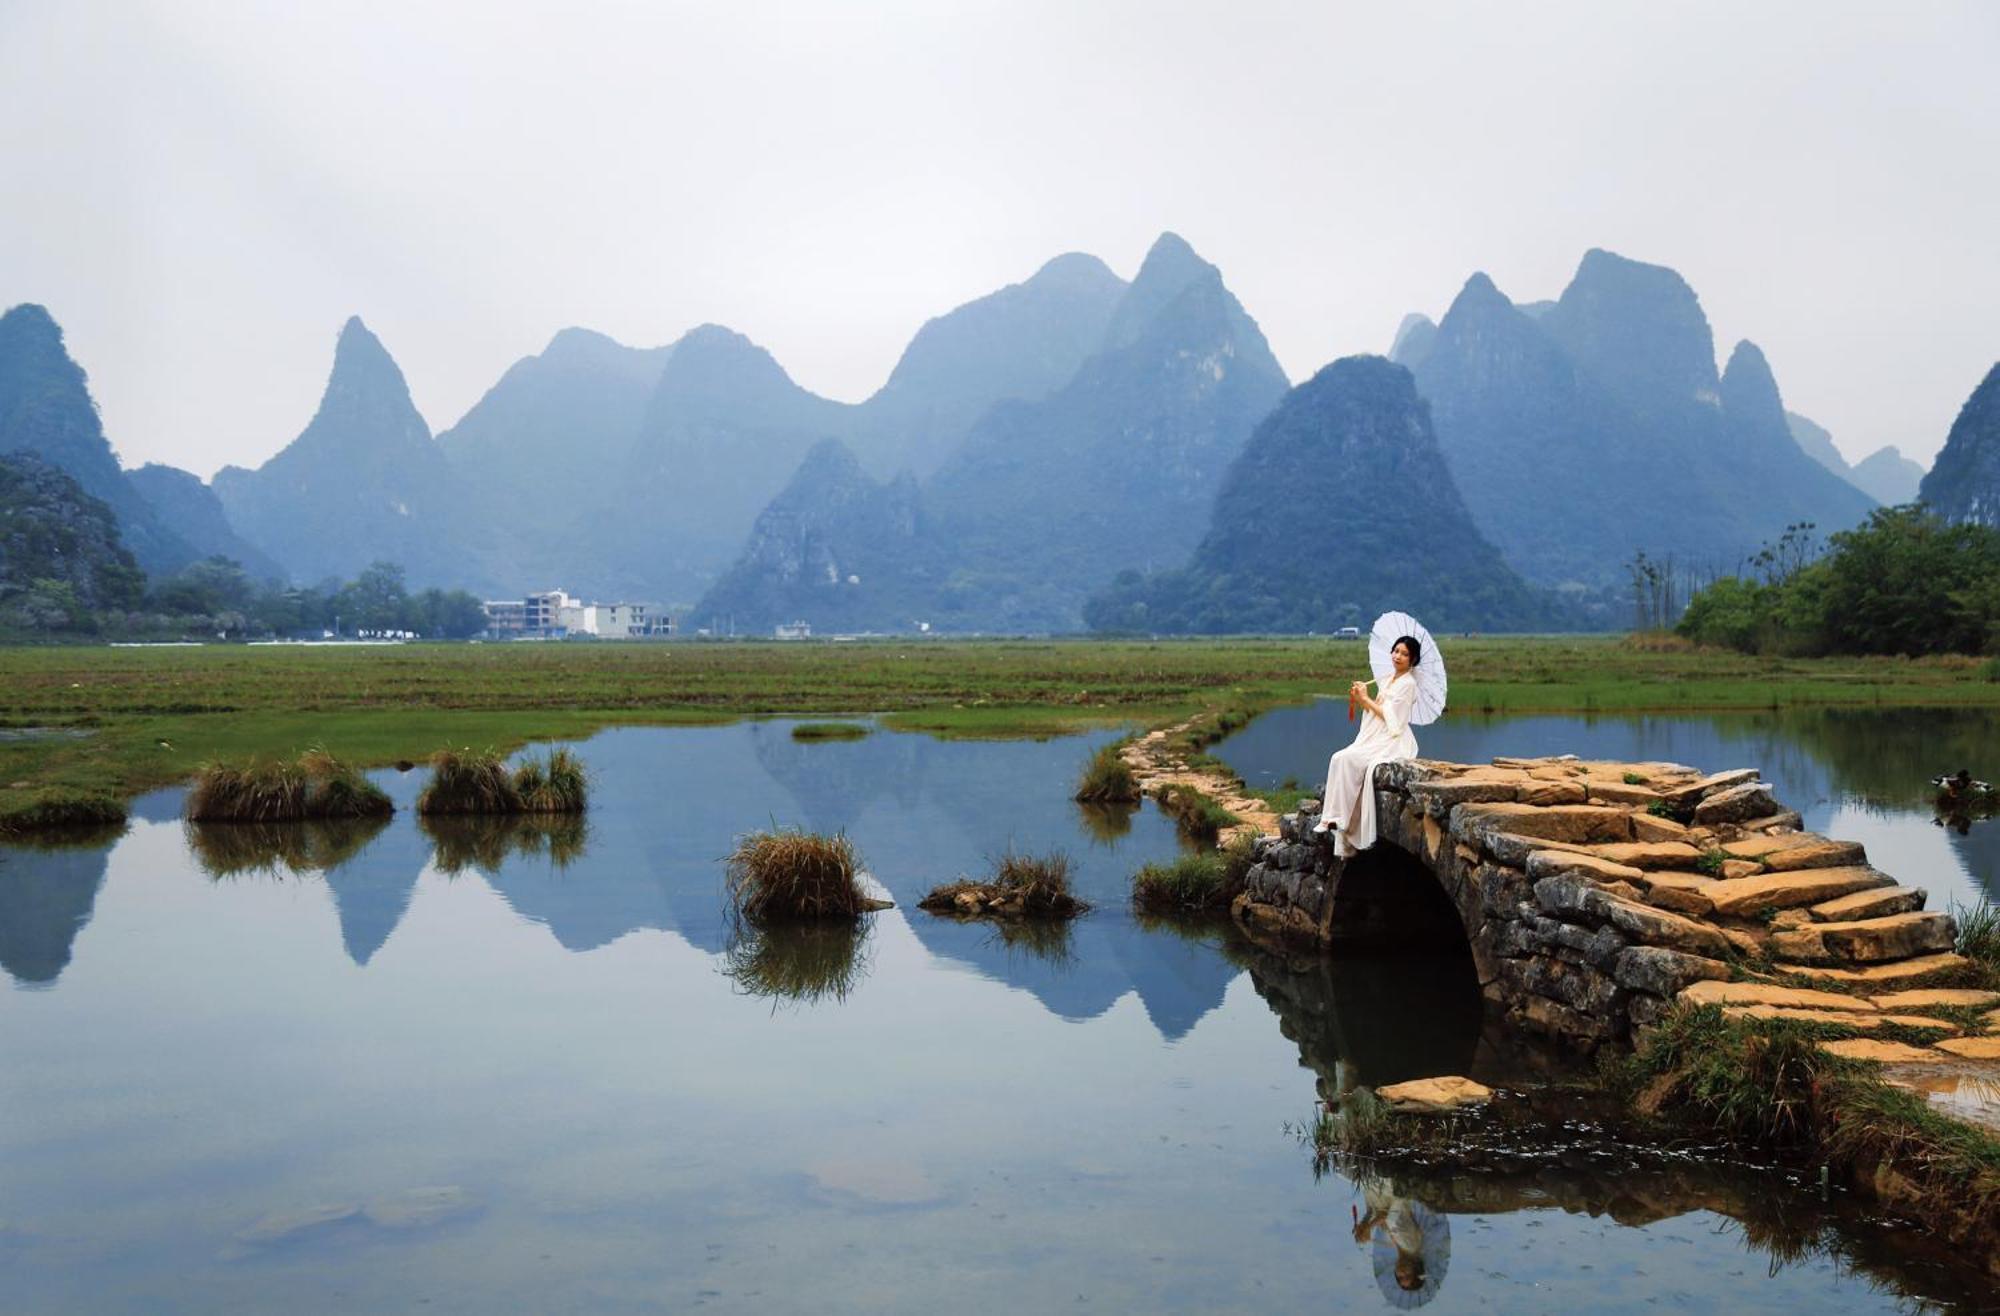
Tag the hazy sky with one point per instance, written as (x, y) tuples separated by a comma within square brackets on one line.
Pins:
[(202, 192)]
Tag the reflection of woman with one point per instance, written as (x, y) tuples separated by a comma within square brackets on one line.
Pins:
[(1349, 801), (1412, 1244)]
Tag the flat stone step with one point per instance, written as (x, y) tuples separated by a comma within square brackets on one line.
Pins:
[(1648, 854), (1866, 941), (1574, 823), (1771, 993), (1900, 973), (1954, 997), (1818, 853), (1888, 1053), (1859, 1019), (1878, 903), (1747, 897), (1689, 792), (1972, 1048), (1789, 851), (1684, 893)]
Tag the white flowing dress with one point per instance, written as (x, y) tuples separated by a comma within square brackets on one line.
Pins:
[(1349, 801)]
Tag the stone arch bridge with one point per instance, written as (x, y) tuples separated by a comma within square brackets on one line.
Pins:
[(1592, 895)]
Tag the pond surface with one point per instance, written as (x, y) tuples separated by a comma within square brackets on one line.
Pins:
[(482, 1069)]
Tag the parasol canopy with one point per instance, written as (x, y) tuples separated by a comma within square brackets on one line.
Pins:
[(1433, 1228), (1428, 673)]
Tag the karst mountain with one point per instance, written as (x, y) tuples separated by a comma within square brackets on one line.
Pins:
[(1340, 508), (1964, 483)]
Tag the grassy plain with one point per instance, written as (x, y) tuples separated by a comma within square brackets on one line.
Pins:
[(154, 715)]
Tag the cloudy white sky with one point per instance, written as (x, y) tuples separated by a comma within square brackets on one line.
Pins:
[(201, 192)]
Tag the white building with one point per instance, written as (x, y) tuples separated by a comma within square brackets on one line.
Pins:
[(556, 615)]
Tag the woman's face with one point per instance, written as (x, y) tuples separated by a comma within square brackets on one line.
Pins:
[(1400, 655)]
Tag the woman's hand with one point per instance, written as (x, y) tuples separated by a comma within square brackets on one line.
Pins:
[(1358, 690)]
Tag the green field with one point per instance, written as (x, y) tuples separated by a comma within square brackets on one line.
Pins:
[(152, 715)]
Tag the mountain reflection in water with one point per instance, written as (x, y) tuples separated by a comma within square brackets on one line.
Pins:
[(654, 1107)]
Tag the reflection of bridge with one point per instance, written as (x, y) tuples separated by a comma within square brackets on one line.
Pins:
[(1361, 1022)]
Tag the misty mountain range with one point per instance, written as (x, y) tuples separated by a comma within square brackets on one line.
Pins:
[(1069, 446)]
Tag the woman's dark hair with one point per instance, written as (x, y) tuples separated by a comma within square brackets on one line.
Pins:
[(1416, 648)]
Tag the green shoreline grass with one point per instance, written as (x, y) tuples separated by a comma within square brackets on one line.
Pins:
[(154, 714)]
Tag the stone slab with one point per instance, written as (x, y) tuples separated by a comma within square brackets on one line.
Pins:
[(1972, 1048), (1576, 823), (1619, 791), (1861, 1019), (1752, 799), (1434, 1095), (1897, 937), (1652, 827), (1547, 863), (1771, 993), (1758, 847), (1888, 1053), (1716, 781), (1878, 903), (1893, 974), (1664, 972), (1955, 997), (1816, 854), (1684, 893), (1649, 854), (1749, 896)]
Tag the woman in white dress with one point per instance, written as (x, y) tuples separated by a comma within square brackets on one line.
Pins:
[(1349, 801)]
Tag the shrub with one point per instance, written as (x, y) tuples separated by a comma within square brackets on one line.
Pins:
[(1107, 779), (787, 875)]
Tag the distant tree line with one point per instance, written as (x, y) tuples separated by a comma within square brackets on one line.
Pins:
[(217, 598), (1904, 582)]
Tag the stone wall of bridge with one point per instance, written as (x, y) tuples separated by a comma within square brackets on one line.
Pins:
[(1591, 895)]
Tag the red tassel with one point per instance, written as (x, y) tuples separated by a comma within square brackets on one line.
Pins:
[(1351, 708)]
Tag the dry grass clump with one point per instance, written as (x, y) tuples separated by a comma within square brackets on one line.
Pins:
[(1205, 883), (242, 849), (1107, 779), (803, 963), (315, 786), (1021, 886), (787, 875), (469, 782), (466, 842)]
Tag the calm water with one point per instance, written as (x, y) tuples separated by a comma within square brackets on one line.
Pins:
[(481, 1071)]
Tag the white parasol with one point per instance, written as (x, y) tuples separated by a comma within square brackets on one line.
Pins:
[(1434, 1229), (1428, 673)]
